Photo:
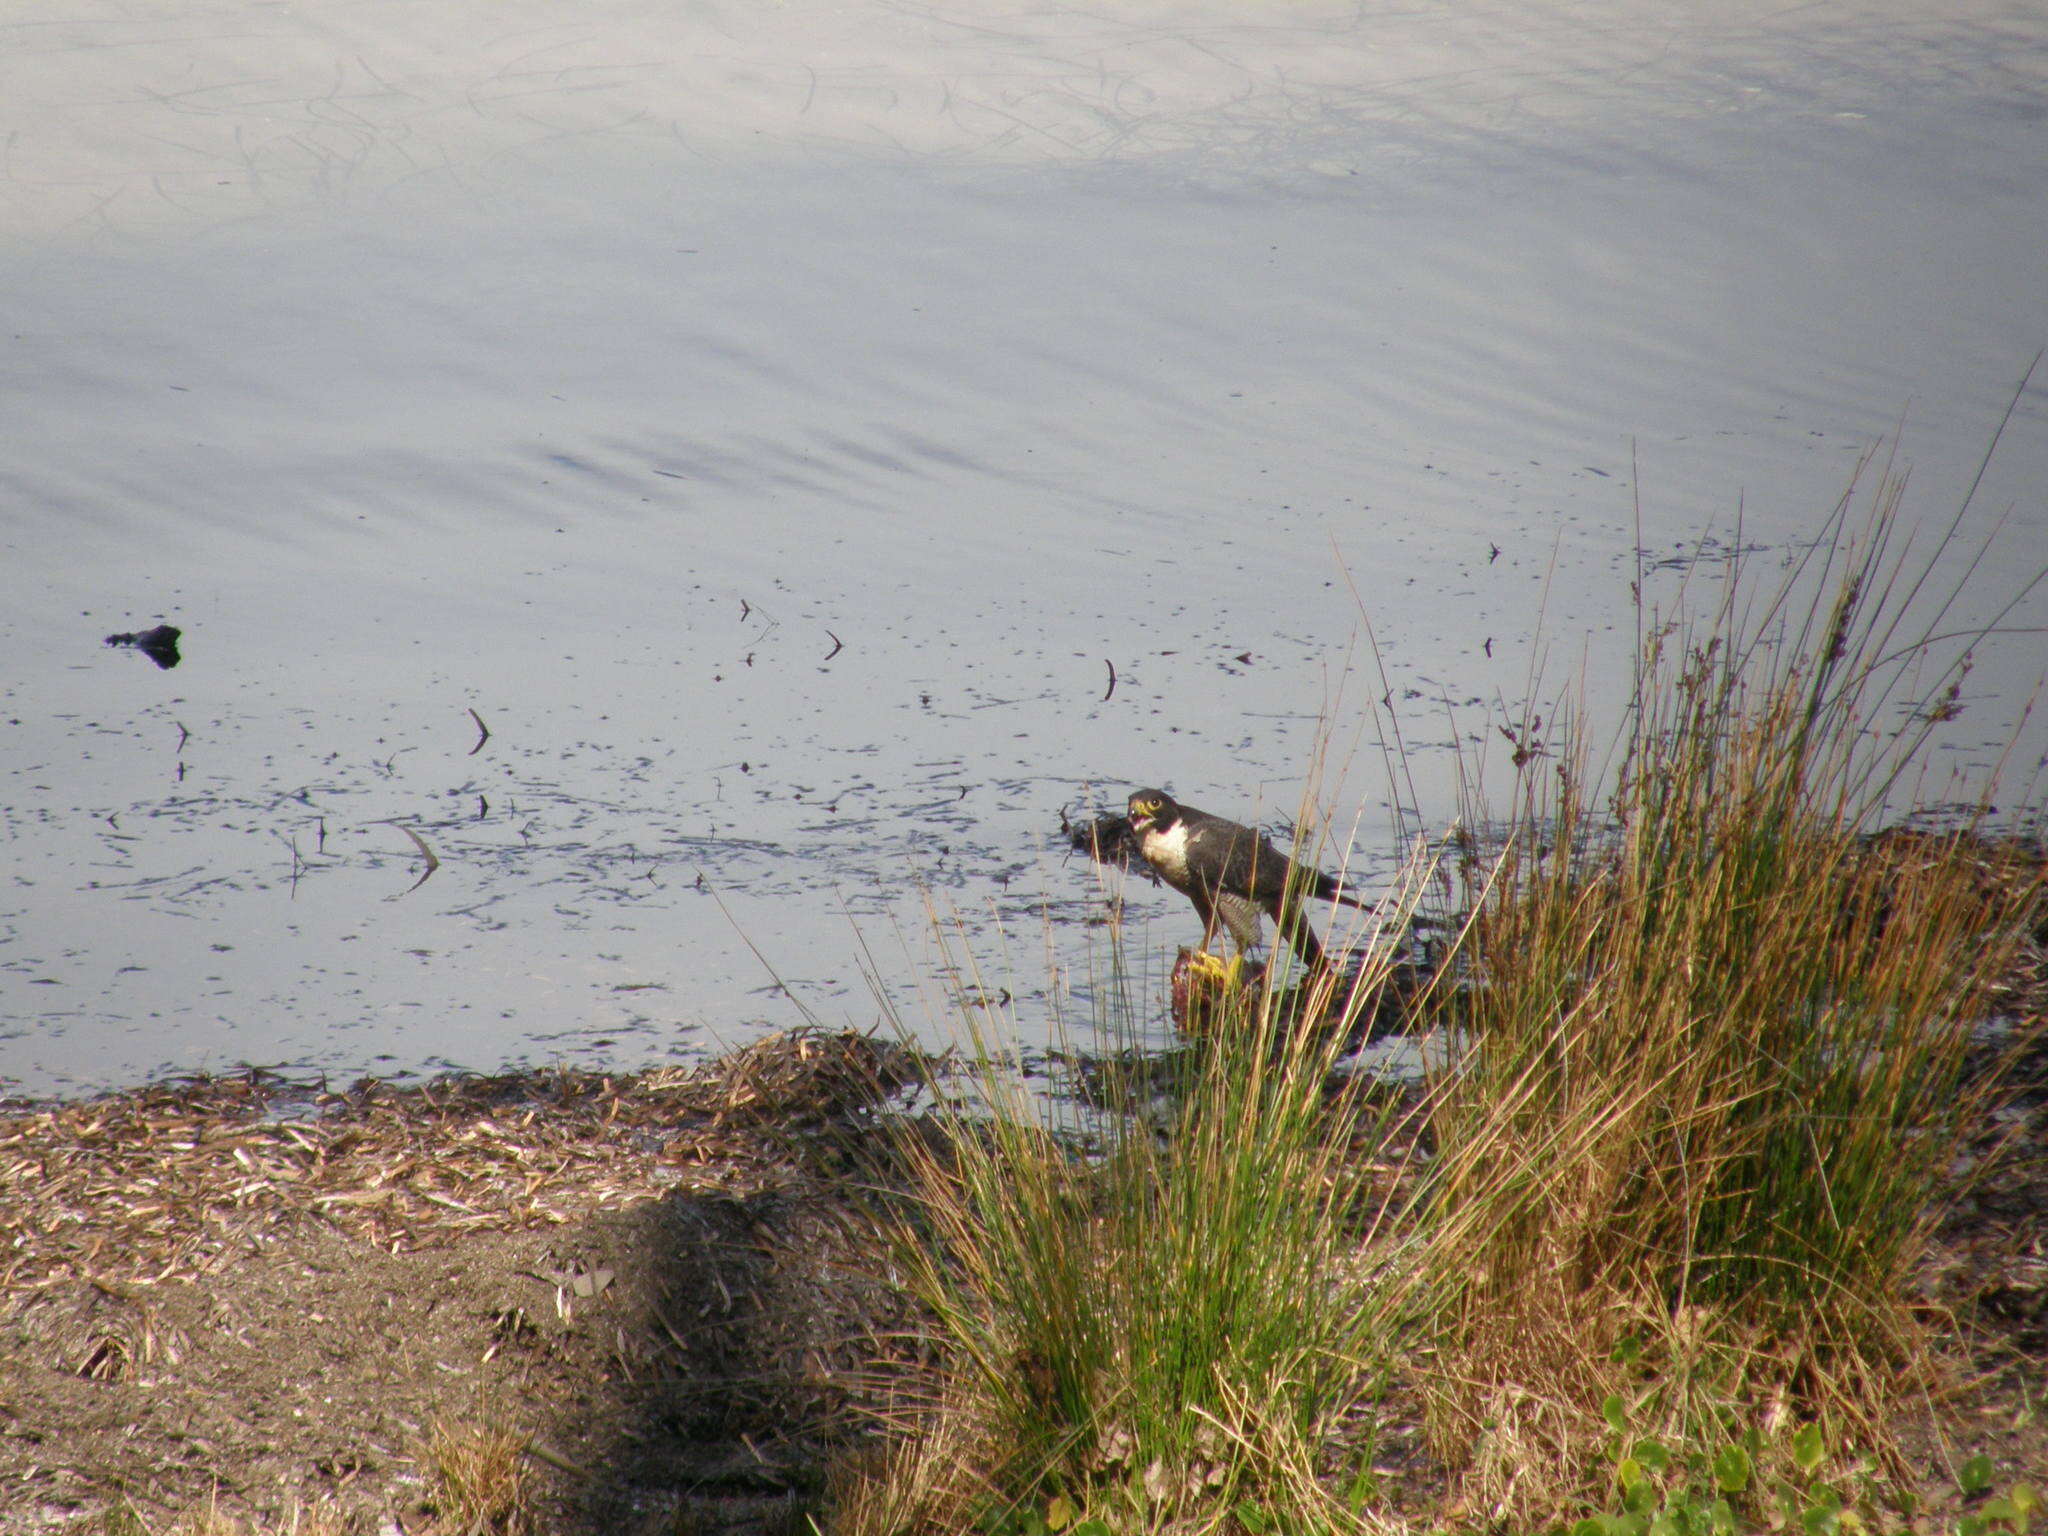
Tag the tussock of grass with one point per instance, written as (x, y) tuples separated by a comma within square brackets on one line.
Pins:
[(479, 1476), (1718, 1040), (1158, 1319)]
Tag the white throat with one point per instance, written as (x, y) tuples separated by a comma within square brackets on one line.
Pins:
[(1167, 851)]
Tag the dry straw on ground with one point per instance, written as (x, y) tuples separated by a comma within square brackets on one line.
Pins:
[(236, 1305), (174, 1180)]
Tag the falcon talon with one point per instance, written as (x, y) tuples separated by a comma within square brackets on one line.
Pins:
[(1203, 983)]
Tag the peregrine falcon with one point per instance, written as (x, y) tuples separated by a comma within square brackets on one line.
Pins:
[(1231, 873)]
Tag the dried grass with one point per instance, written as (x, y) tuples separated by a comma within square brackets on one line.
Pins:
[(924, 1477), (1723, 1045), (299, 1520), (480, 1480), (173, 1180)]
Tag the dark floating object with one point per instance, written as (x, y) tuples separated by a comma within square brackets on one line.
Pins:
[(160, 645)]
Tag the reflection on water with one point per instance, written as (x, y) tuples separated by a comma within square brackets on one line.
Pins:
[(778, 518)]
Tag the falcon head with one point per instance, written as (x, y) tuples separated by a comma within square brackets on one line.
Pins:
[(1152, 810)]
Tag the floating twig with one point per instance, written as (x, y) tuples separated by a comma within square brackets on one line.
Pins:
[(425, 853), (1112, 679), (838, 645), (483, 733)]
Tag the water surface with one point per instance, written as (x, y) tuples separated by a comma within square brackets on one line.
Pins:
[(777, 422)]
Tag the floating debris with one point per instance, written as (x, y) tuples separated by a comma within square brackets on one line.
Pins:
[(160, 645)]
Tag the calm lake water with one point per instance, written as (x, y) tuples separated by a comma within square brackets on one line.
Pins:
[(775, 423)]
